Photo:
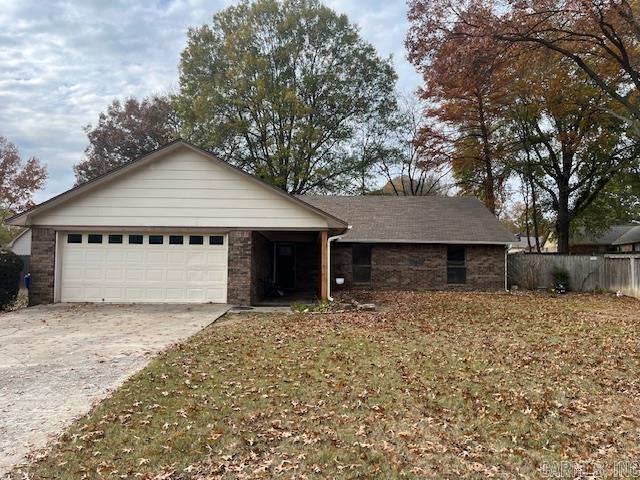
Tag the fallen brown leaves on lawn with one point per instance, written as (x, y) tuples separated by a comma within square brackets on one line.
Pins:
[(437, 385)]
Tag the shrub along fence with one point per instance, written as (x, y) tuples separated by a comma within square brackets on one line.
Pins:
[(587, 273)]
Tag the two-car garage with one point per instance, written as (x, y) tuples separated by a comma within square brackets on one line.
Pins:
[(175, 225), (125, 267)]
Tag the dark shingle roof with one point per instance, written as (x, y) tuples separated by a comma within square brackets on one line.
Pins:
[(630, 236), (428, 219)]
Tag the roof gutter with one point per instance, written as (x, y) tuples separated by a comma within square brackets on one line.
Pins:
[(329, 240), (427, 242)]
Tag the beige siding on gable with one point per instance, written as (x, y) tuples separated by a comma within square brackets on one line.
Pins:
[(183, 189)]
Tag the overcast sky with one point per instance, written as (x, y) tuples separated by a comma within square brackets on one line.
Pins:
[(62, 62)]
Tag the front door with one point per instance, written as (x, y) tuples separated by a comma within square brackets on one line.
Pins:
[(285, 265)]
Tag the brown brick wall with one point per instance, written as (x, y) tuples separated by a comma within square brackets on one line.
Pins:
[(239, 270), (485, 267), (421, 267), (43, 248)]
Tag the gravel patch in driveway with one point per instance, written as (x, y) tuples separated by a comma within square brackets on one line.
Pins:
[(56, 361)]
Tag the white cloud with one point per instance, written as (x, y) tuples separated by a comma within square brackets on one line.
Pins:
[(63, 62)]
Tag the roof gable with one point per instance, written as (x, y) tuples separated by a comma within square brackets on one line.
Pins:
[(177, 185)]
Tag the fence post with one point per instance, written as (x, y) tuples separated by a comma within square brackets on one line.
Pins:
[(633, 285)]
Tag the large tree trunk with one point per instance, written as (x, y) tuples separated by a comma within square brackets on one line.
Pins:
[(489, 181), (563, 219), (534, 205)]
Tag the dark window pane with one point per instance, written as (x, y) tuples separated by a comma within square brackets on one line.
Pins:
[(361, 254), (455, 254), (156, 239), (456, 275), (361, 274), (456, 267), (95, 238), (361, 259), (176, 239), (196, 240), (74, 238), (115, 238), (135, 239), (216, 240)]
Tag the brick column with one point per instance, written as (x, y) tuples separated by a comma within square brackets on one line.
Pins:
[(43, 252), (239, 271)]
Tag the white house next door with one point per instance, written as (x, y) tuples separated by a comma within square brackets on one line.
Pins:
[(125, 267)]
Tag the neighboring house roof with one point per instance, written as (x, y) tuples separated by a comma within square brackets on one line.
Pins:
[(432, 219), (607, 237), (526, 242), (630, 236), (22, 218)]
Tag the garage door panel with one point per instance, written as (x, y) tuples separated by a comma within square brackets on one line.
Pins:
[(142, 272), (93, 294), (176, 275), (74, 294), (74, 257), (176, 258), (134, 294), (98, 258), (216, 294), (114, 273), (155, 294), (195, 294), (116, 257), (155, 275), (158, 258), (135, 257), (71, 274), (113, 292), (197, 259), (94, 274), (176, 294), (135, 275)]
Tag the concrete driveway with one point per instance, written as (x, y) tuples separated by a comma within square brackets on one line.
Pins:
[(58, 360)]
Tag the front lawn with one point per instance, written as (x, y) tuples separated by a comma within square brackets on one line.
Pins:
[(437, 385)]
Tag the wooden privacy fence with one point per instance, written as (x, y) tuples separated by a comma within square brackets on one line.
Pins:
[(587, 273)]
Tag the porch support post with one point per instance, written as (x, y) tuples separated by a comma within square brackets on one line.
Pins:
[(324, 267)]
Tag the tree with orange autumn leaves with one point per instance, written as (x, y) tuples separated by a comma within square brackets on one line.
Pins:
[(467, 92), (511, 107)]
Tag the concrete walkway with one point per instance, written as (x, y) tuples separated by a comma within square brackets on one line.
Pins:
[(56, 361)]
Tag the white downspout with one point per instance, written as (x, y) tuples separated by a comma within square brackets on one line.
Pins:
[(329, 240), (506, 268)]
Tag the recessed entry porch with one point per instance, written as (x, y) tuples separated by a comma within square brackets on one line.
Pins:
[(287, 267)]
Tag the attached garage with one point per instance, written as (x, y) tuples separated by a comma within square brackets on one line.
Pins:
[(133, 267), (176, 225)]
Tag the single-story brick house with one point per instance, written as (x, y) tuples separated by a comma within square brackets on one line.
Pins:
[(179, 225)]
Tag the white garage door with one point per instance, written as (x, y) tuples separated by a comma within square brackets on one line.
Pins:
[(126, 267)]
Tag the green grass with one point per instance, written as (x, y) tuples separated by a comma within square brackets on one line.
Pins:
[(437, 385)]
